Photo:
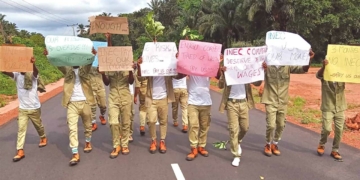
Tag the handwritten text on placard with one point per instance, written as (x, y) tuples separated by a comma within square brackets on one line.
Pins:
[(286, 48), (16, 59), (199, 58), (344, 64), (112, 25), (69, 50), (159, 59), (114, 58), (244, 65)]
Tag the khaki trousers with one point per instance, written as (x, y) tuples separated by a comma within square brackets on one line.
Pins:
[(142, 109), (24, 115), (199, 124), (100, 98), (181, 96), (238, 117), (74, 111), (158, 111), (120, 120), (327, 119), (275, 120), (131, 119)]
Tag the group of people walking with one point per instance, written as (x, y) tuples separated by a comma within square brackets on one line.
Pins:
[(84, 90)]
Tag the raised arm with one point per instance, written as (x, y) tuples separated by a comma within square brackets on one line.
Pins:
[(35, 70), (320, 73), (10, 74), (104, 78), (131, 77)]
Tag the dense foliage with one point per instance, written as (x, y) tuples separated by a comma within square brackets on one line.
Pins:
[(233, 23)]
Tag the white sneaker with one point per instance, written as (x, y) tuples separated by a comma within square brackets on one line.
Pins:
[(240, 150), (236, 162), (157, 123)]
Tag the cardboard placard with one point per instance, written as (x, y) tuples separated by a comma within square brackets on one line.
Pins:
[(115, 58), (112, 25), (16, 59)]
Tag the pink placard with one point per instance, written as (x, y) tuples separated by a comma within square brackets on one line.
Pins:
[(198, 58)]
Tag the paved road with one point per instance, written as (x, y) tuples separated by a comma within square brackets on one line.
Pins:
[(298, 160)]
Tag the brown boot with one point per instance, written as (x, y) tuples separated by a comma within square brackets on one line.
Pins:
[(176, 124), (336, 155), (125, 151), (74, 160), (320, 150), (94, 127), (275, 149), (203, 151), (88, 147), (192, 155), (153, 147), (267, 150), (102, 119), (114, 154), (162, 147), (20, 155), (43, 142), (185, 129), (142, 130)]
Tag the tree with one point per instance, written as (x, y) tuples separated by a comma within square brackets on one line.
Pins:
[(81, 29)]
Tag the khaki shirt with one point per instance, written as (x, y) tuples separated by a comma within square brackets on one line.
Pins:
[(96, 79), (28, 82), (332, 96), (227, 89), (69, 81), (276, 85), (169, 89), (141, 84), (119, 87)]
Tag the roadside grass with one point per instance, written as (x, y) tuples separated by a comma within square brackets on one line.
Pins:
[(296, 109)]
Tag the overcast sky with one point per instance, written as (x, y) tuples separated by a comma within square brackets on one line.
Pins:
[(50, 17)]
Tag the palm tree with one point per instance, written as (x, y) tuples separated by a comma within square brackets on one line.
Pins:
[(281, 11), (219, 21), (105, 14), (155, 6), (81, 29)]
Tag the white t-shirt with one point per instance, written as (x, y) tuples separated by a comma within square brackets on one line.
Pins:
[(159, 87), (131, 87), (179, 83), (28, 99), (237, 92), (78, 93), (199, 91)]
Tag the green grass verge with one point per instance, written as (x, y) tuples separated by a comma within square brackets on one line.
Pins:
[(296, 109)]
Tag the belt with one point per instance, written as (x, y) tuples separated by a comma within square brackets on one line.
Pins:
[(237, 100)]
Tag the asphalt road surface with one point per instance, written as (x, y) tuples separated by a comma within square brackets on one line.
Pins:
[(297, 161)]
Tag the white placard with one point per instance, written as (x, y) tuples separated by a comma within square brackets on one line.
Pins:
[(244, 65), (159, 59), (286, 48)]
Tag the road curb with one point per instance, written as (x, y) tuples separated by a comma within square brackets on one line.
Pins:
[(10, 111)]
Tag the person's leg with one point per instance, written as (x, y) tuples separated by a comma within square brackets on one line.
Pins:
[(184, 109), (327, 118), (280, 126), (271, 112), (142, 114), (21, 135), (153, 116), (72, 121), (175, 107), (93, 112), (339, 121), (115, 129), (86, 119), (101, 100), (35, 117), (125, 113), (204, 121), (232, 111), (194, 127), (132, 120), (162, 112)]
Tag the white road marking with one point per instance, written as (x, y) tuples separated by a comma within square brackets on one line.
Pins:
[(179, 175)]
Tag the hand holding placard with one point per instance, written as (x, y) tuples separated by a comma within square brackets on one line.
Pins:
[(198, 58)]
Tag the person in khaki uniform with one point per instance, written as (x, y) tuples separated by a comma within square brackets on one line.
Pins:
[(140, 91), (120, 102), (199, 113), (99, 95), (159, 93), (237, 100), (29, 107), (333, 106), (131, 88), (275, 97), (181, 96), (78, 98)]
